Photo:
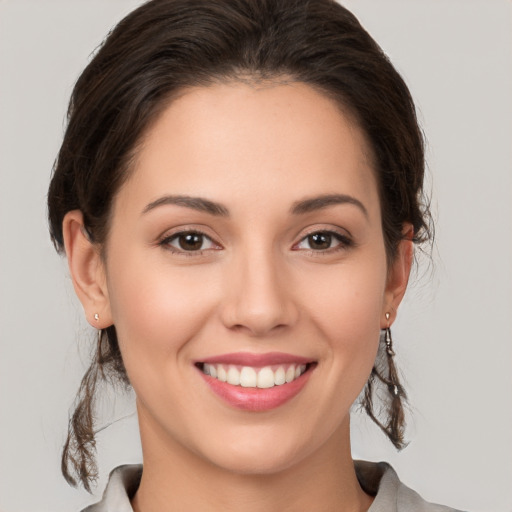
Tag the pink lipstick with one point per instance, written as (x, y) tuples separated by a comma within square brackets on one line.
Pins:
[(256, 382)]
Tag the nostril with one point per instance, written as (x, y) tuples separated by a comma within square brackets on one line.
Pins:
[(257, 328)]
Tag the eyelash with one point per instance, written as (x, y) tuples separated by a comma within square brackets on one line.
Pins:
[(344, 243), (166, 243)]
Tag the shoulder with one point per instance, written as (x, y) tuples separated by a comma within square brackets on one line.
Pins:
[(122, 484), (391, 495)]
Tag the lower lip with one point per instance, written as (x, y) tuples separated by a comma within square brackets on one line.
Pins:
[(257, 399)]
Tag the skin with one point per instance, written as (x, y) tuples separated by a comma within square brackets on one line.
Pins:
[(257, 286)]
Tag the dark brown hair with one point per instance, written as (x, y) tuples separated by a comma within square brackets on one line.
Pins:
[(166, 45)]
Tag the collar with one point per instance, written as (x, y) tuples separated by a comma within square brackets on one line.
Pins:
[(378, 479)]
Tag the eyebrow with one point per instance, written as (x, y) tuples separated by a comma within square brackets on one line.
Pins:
[(324, 201), (298, 208), (194, 203)]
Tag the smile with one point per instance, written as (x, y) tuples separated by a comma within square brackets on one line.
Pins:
[(256, 382), (251, 377)]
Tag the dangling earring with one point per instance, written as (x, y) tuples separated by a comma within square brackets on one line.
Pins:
[(394, 386), (394, 425), (388, 340)]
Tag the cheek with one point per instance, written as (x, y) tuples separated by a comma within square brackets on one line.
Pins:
[(349, 299), (346, 307), (156, 309)]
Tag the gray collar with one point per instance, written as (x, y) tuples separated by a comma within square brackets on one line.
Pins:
[(376, 478)]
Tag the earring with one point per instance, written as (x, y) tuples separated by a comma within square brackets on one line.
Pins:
[(394, 425), (96, 316), (393, 383), (388, 339)]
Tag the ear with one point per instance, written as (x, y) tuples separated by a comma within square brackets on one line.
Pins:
[(398, 276), (87, 271)]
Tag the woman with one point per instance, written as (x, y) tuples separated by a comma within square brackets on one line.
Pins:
[(238, 194)]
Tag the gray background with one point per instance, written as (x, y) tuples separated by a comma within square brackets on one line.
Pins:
[(453, 334)]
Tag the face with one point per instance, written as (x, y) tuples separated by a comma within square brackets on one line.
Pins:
[(247, 245)]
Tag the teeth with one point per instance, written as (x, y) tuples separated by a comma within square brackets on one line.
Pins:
[(279, 376), (300, 370), (266, 378), (233, 376), (249, 377), (221, 374)]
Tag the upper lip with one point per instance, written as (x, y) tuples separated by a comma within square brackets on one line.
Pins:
[(256, 360)]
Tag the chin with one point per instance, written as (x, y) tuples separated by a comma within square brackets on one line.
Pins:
[(261, 463), (260, 452)]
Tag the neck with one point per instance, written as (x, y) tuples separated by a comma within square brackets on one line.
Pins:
[(174, 478)]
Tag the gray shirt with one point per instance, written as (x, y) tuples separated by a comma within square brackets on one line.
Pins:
[(377, 479)]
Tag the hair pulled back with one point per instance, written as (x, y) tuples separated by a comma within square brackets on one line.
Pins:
[(167, 45)]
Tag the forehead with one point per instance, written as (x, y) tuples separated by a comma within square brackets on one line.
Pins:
[(260, 143)]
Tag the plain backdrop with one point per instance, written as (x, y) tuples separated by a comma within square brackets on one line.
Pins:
[(453, 334)]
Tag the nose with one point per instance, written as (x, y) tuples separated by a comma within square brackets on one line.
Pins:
[(259, 295)]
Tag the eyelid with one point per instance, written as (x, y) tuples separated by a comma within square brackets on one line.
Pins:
[(343, 236), (170, 235)]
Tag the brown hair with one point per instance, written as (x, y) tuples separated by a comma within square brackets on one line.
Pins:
[(166, 45)]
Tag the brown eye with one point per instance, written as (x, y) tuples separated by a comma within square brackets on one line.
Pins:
[(324, 241), (189, 241), (320, 241)]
